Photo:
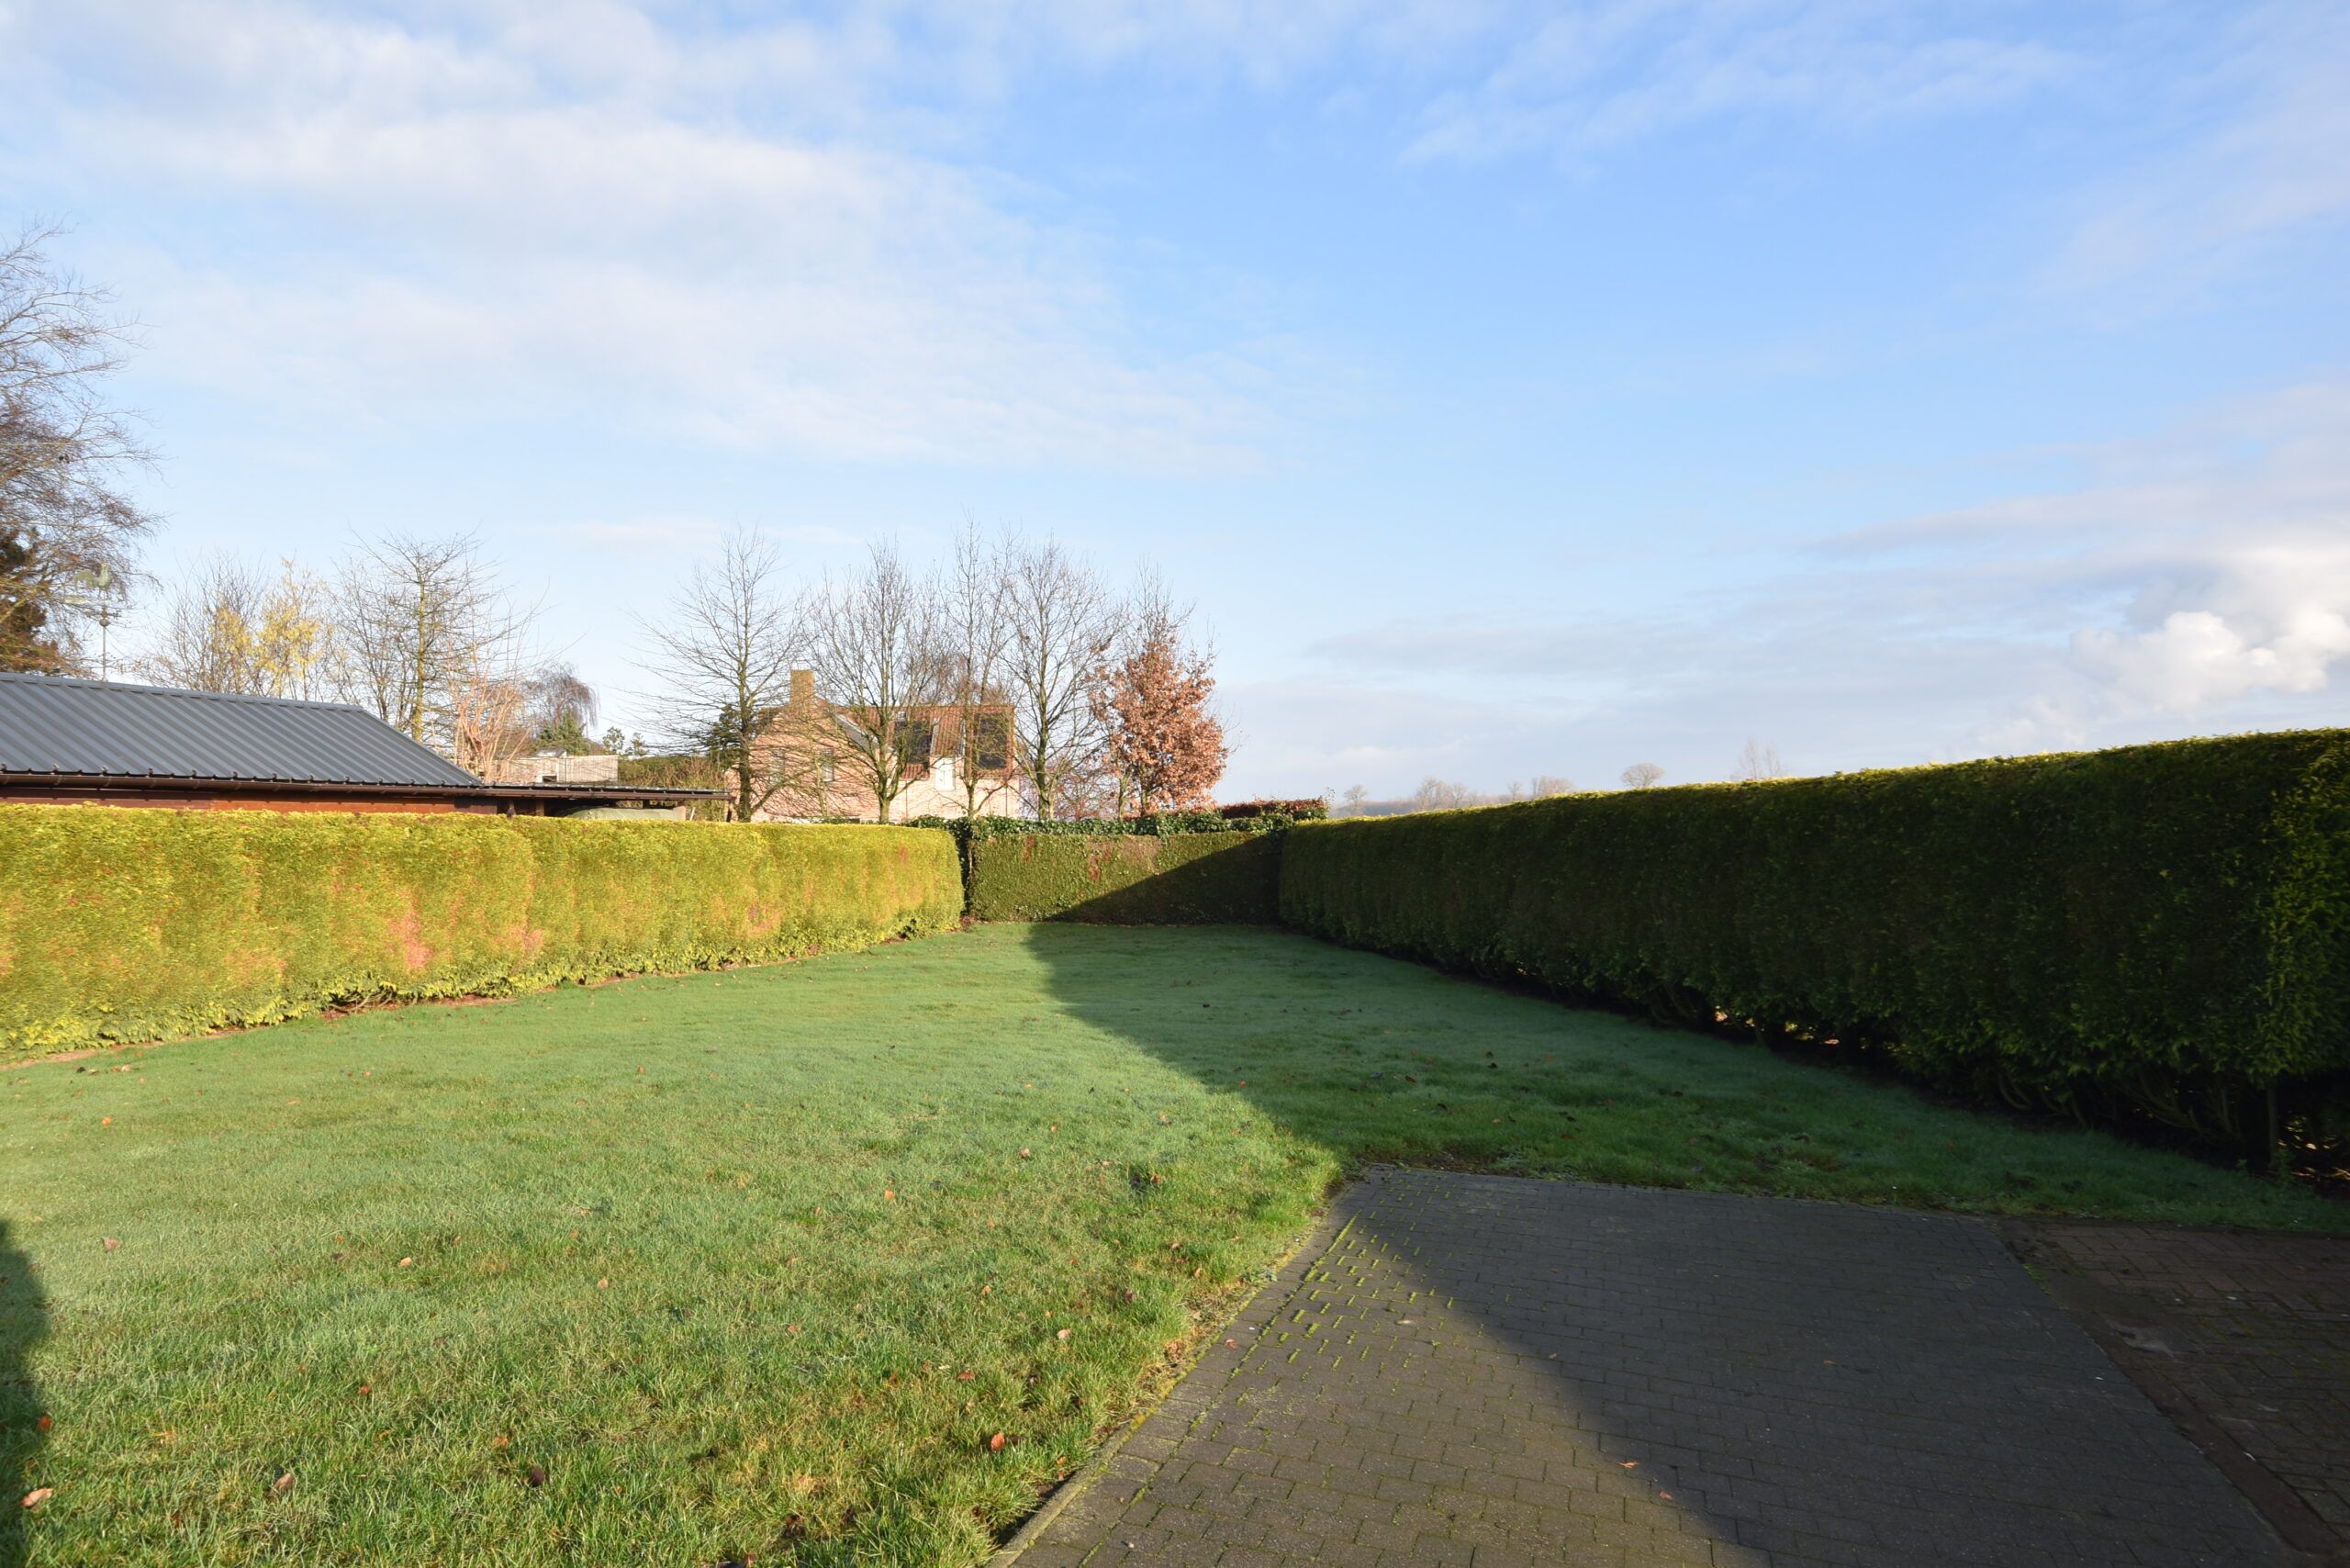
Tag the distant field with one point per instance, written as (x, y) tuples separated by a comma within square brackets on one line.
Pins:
[(765, 1263)]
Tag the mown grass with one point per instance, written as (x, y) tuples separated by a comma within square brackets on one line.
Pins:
[(760, 1263)]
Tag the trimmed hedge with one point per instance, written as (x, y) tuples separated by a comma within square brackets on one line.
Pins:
[(1131, 879), (2167, 925), (1164, 824), (126, 924)]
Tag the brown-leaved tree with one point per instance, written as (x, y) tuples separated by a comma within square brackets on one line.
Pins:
[(1166, 748)]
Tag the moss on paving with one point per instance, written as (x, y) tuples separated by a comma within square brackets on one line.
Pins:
[(762, 1261)]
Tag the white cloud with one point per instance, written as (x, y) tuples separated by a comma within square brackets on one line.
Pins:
[(490, 215), (2202, 568), (2272, 617), (1594, 76), (2278, 163), (2194, 579), (781, 232)]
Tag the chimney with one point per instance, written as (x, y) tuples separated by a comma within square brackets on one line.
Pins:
[(803, 689)]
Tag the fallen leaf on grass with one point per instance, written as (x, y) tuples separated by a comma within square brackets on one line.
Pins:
[(1062, 1335), (112, 1244), (37, 1496), (282, 1486), (405, 1263), (42, 1425), (538, 1476), (995, 1443), (792, 1328), (1024, 1154)]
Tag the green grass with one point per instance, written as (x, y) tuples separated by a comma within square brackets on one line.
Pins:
[(759, 1263)]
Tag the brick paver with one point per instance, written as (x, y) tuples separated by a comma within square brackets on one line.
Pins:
[(1487, 1372), (2243, 1337)]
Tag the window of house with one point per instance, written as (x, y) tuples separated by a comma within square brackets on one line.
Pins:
[(826, 763), (914, 737), (991, 741)]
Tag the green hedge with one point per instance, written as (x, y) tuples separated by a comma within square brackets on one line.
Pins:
[(1131, 879), (1260, 817), (120, 923), (2167, 924)]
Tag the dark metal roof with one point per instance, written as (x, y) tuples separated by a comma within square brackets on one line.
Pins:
[(53, 724)]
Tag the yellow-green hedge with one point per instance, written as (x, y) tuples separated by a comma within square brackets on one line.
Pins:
[(2167, 925), (1191, 879), (120, 923)]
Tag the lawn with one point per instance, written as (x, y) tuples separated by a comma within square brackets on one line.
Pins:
[(763, 1263)]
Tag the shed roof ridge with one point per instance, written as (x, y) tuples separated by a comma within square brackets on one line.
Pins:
[(184, 692)]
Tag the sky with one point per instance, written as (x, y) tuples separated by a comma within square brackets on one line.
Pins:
[(1517, 389)]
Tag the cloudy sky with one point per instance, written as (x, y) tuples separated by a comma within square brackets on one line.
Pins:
[(1517, 388)]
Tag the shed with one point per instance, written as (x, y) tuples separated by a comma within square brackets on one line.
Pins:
[(64, 740)]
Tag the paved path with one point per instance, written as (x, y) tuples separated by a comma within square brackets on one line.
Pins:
[(1480, 1370), (2242, 1338)]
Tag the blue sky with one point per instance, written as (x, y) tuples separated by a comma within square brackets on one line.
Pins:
[(1516, 389)]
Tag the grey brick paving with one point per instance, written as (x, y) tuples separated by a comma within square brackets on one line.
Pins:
[(1490, 1373), (2243, 1337)]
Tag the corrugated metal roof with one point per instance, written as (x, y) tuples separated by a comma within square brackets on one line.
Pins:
[(54, 724)]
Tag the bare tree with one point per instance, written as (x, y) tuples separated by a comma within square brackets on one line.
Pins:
[(67, 530), (1437, 795), (876, 642), (723, 654), (560, 708), (1549, 784), (1641, 775), (503, 713), (231, 629), (975, 630), (1759, 761), (489, 720), (204, 643), (1063, 624), (433, 641)]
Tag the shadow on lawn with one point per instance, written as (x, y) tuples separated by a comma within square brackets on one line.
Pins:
[(1691, 1370), (23, 1320)]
